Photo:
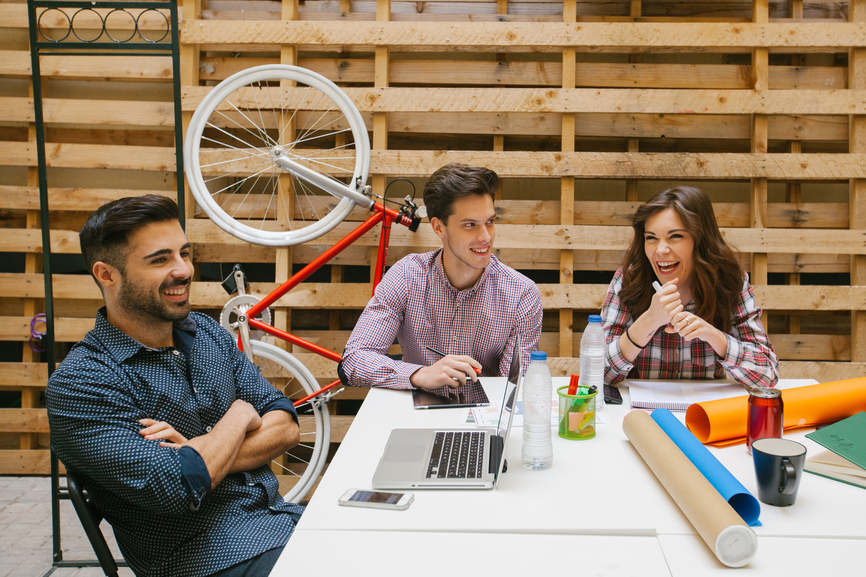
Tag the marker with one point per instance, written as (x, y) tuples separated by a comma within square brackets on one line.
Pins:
[(657, 286), (572, 384), (441, 354)]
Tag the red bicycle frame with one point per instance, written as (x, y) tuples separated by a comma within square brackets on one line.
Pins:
[(381, 214)]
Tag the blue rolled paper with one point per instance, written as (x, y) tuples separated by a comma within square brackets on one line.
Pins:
[(737, 496)]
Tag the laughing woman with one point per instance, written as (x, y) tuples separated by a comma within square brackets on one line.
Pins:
[(703, 322)]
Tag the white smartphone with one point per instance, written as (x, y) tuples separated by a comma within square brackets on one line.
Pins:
[(376, 500)]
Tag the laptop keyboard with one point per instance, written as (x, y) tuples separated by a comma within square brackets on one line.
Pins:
[(457, 455)]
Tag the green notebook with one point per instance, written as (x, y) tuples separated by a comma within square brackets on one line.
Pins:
[(847, 461)]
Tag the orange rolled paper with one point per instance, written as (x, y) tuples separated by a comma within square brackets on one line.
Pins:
[(725, 422)]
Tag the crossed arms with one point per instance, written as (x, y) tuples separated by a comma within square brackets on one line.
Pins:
[(240, 441)]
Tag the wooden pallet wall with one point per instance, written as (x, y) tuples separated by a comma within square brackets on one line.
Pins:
[(583, 108)]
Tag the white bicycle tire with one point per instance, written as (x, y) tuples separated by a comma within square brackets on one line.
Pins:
[(193, 148), (320, 417)]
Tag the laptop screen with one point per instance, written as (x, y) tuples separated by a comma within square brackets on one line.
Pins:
[(499, 442)]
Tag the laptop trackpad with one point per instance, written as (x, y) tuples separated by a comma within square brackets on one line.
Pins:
[(404, 453)]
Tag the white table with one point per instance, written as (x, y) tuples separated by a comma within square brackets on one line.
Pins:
[(599, 506)]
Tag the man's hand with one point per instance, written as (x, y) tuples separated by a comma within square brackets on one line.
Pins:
[(246, 409), (162, 431), (449, 371)]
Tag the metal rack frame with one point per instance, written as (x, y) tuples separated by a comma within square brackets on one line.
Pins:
[(90, 44)]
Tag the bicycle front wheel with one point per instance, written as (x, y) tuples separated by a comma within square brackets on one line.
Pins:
[(299, 468), (255, 116)]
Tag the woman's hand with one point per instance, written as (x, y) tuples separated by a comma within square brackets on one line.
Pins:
[(690, 326), (162, 431), (665, 305)]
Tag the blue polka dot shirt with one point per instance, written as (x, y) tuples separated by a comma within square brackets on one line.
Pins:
[(158, 499)]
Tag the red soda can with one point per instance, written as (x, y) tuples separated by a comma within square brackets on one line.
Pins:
[(765, 415)]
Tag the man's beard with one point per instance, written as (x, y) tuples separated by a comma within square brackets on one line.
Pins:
[(132, 299)]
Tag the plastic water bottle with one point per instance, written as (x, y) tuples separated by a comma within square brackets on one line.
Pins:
[(592, 353), (537, 396)]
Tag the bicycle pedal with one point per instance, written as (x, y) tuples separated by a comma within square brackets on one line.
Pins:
[(230, 285)]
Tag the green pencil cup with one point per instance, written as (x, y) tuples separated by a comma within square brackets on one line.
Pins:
[(576, 415)]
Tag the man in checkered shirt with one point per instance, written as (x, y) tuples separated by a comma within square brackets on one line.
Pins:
[(459, 300)]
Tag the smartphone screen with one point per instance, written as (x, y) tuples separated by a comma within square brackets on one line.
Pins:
[(375, 497)]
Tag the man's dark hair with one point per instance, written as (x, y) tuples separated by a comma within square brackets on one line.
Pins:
[(105, 235), (454, 181)]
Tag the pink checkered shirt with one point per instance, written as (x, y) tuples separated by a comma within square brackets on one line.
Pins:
[(416, 305), (749, 358)]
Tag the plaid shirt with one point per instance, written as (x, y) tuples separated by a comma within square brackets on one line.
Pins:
[(749, 358), (416, 305)]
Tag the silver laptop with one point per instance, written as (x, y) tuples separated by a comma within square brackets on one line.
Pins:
[(451, 458)]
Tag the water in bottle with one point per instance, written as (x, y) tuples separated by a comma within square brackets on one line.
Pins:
[(537, 396), (592, 355)]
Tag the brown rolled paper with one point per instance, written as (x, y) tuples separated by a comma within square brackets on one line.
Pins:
[(725, 422), (721, 528)]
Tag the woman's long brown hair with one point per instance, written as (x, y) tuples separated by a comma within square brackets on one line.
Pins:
[(717, 280)]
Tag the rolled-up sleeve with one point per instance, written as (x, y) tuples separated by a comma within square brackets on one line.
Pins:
[(750, 357), (615, 319), (365, 360)]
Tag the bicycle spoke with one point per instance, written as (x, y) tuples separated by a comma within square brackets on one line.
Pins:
[(238, 124)]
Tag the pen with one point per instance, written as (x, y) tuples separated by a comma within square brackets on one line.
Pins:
[(441, 354), (657, 286)]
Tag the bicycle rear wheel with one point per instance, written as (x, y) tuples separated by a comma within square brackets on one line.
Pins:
[(300, 467), (252, 117)]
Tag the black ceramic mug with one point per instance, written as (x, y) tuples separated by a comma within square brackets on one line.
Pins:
[(778, 468)]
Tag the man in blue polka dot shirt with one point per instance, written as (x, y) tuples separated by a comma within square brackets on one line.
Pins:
[(168, 423)]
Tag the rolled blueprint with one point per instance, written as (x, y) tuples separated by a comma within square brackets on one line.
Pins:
[(731, 490), (725, 422), (721, 528)]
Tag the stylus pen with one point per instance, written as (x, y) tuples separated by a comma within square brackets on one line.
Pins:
[(441, 354)]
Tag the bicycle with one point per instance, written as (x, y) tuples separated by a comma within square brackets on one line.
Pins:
[(266, 144)]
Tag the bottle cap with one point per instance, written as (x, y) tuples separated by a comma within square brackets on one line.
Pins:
[(538, 356), (765, 393), (595, 318)]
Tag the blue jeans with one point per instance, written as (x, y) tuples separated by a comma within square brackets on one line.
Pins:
[(258, 566)]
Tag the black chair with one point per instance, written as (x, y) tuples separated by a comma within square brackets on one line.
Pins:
[(90, 518)]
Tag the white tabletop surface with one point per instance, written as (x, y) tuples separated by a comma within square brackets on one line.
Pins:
[(565, 499), (599, 496), (413, 554)]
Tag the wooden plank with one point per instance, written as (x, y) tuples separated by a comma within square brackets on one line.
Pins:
[(703, 166), (66, 330), (93, 112), (590, 36), (578, 237), (69, 199), (543, 73), (19, 375), (29, 462), (356, 295), (23, 421), (821, 372), (60, 155), (30, 241), (22, 285), (16, 63), (577, 100), (812, 347), (619, 165), (694, 166)]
